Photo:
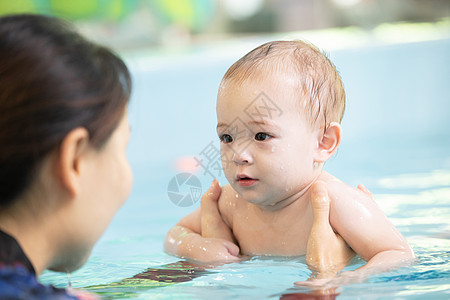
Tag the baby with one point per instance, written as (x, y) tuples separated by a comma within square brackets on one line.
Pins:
[(279, 110)]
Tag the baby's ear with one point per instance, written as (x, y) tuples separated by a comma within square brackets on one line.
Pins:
[(328, 142)]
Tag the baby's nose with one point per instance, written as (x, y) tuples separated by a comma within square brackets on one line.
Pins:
[(242, 157)]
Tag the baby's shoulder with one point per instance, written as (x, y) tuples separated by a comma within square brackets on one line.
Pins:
[(340, 191), (333, 183)]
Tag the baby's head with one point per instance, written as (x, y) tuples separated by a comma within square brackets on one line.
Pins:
[(317, 83), (278, 111)]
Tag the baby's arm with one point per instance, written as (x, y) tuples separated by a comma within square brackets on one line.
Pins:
[(185, 238), (361, 223)]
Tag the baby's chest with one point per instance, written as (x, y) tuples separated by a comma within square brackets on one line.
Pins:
[(272, 237)]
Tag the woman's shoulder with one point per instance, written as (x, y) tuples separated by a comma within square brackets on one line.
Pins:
[(17, 282)]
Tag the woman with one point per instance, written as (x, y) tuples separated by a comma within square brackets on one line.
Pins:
[(63, 137)]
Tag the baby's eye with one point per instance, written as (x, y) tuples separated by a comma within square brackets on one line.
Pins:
[(226, 138), (262, 136)]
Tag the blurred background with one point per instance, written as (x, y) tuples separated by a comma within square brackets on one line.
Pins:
[(125, 24), (393, 56)]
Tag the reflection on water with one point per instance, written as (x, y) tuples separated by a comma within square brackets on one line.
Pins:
[(149, 279)]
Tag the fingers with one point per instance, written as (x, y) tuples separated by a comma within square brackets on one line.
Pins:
[(212, 224), (320, 203), (233, 249), (229, 252), (215, 250), (210, 211), (326, 253), (321, 235), (365, 190), (213, 193)]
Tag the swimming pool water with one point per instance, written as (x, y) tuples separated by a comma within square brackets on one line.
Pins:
[(396, 142)]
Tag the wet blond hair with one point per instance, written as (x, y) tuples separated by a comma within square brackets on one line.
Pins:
[(318, 79)]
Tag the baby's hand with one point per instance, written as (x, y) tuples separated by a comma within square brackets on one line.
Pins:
[(211, 250)]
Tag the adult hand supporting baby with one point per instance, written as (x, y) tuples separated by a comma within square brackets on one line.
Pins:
[(327, 253), (213, 225)]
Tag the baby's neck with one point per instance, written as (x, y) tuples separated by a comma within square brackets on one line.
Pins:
[(298, 197)]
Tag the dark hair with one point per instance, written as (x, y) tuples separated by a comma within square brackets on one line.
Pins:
[(52, 81)]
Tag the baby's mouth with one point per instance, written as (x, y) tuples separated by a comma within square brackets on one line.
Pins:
[(244, 180)]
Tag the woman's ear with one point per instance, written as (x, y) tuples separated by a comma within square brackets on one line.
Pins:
[(71, 152), (328, 142)]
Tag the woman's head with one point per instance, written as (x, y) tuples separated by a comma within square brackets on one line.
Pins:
[(51, 81), (63, 138)]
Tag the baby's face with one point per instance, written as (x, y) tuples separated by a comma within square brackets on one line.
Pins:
[(267, 146)]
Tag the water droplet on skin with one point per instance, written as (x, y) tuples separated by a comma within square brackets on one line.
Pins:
[(237, 196), (273, 149)]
